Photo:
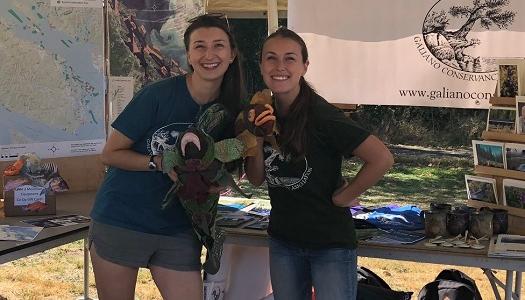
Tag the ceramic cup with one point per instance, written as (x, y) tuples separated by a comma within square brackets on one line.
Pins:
[(440, 206), (435, 223), (500, 220), (457, 222), (481, 224)]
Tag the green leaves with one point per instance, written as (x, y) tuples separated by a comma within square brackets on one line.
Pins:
[(229, 150), (170, 159)]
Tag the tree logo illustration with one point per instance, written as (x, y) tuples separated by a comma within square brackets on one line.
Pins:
[(448, 30)]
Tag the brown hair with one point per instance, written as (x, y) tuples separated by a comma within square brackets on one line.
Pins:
[(292, 138)]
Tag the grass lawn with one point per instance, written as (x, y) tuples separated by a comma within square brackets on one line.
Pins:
[(415, 179)]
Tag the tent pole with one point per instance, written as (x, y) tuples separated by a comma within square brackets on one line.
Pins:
[(273, 16)]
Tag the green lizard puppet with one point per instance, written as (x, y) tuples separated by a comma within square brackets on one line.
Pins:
[(201, 163)]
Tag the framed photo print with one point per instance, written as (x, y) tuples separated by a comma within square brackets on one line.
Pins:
[(510, 74), (481, 188), (488, 154), (502, 119), (514, 193), (520, 114), (515, 157)]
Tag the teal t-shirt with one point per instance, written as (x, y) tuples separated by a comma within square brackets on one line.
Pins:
[(301, 189), (153, 120)]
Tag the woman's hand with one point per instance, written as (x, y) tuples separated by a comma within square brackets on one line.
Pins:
[(339, 198), (377, 159), (265, 116)]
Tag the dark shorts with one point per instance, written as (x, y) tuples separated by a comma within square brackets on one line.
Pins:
[(136, 249)]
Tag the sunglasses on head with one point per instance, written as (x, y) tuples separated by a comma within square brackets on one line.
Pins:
[(217, 16)]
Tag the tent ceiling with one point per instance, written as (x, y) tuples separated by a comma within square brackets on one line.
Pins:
[(240, 6)]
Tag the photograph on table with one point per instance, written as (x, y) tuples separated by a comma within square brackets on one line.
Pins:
[(510, 73), (18, 233), (513, 193), (520, 114), (501, 119), (515, 157), (481, 189), (488, 154)]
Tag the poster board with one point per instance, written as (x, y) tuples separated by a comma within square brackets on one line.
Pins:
[(82, 173), (53, 103)]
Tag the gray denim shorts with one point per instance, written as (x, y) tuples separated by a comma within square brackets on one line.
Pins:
[(136, 249)]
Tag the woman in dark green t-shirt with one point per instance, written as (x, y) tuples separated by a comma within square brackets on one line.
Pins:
[(312, 236)]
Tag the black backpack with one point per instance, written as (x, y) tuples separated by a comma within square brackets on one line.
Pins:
[(371, 286), (453, 284)]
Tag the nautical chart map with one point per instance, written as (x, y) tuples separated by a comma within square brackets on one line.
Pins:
[(51, 78)]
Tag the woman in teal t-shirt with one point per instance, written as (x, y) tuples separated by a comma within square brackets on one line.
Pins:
[(129, 228)]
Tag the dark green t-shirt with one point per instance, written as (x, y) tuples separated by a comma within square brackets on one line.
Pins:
[(153, 120), (301, 190)]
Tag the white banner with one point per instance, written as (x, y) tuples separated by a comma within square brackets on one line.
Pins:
[(408, 52)]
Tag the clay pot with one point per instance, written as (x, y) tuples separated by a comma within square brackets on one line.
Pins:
[(457, 222), (500, 220), (467, 209), (440, 206), (435, 223), (481, 224)]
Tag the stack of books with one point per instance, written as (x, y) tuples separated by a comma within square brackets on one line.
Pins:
[(507, 245)]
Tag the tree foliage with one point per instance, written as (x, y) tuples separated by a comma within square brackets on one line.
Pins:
[(425, 126)]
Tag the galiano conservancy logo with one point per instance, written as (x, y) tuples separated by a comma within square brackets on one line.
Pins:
[(446, 44)]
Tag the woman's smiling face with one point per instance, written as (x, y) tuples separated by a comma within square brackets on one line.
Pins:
[(282, 67), (210, 53)]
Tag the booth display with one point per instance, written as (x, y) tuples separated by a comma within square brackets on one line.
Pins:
[(31, 186), (510, 177), (244, 272)]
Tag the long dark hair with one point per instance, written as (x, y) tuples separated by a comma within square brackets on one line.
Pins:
[(232, 86), (292, 137)]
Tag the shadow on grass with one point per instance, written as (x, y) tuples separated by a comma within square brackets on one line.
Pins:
[(412, 180), (417, 182)]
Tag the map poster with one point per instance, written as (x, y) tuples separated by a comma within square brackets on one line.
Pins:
[(77, 3), (51, 80), (120, 93), (146, 38)]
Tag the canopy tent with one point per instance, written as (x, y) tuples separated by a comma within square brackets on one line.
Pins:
[(267, 9), (243, 6)]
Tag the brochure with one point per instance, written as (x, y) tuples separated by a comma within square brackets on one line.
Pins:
[(233, 220), (259, 211), (18, 233), (396, 237), (230, 204), (261, 224), (57, 221)]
